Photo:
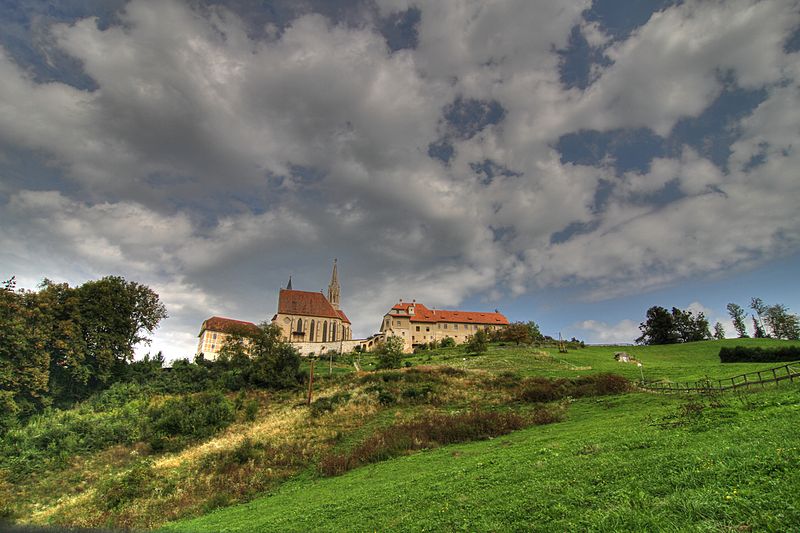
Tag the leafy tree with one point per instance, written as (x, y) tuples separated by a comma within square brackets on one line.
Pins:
[(516, 332), (781, 323), (659, 328), (447, 342), (478, 343), (759, 331), (665, 327), (758, 305), (719, 331), (535, 332), (737, 316), (24, 362), (276, 364), (390, 353)]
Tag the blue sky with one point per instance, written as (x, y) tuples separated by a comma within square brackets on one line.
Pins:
[(572, 163)]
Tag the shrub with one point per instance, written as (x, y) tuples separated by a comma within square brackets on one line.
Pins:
[(547, 390), (390, 353), (426, 432), (328, 403), (177, 421), (747, 354), (134, 483), (478, 343), (447, 342)]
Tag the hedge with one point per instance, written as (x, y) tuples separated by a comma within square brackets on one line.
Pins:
[(746, 354)]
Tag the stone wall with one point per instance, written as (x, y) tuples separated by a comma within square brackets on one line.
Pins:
[(320, 348)]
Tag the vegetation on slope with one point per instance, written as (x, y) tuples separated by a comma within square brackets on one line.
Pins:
[(275, 444)]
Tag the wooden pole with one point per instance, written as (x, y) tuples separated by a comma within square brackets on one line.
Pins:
[(310, 382)]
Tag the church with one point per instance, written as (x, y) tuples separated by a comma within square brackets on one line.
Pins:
[(309, 317), (313, 323)]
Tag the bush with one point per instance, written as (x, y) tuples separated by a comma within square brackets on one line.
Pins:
[(547, 390), (426, 432), (134, 483), (329, 403), (177, 421), (746, 354), (390, 353), (447, 342)]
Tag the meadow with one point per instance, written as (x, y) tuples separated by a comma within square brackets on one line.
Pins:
[(518, 438)]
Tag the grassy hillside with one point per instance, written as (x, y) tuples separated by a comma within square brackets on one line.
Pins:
[(615, 462), (638, 462)]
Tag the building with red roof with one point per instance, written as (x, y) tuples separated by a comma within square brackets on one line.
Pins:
[(306, 317), (216, 329), (416, 324)]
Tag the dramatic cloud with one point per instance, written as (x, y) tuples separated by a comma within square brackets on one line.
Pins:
[(418, 141)]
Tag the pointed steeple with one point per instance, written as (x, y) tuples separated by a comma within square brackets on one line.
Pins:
[(289, 285), (333, 288)]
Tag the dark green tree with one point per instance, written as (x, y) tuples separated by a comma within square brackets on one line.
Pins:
[(276, 364), (737, 316), (478, 343), (782, 324), (390, 353), (758, 330), (719, 331), (658, 328), (758, 305)]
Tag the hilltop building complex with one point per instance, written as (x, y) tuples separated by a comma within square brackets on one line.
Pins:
[(416, 324)]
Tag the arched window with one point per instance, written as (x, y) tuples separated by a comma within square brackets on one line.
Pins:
[(311, 332), (299, 325), (333, 331), (324, 332)]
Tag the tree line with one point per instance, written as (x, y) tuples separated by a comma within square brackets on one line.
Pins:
[(769, 321), (670, 327), (60, 344)]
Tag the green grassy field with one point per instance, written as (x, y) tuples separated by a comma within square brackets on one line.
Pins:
[(634, 462), (638, 462)]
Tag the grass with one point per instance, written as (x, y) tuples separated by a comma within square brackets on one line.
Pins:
[(636, 462), (632, 461)]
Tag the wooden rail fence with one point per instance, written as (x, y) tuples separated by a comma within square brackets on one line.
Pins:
[(790, 371)]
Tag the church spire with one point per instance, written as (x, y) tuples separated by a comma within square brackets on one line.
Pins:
[(333, 288), (289, 285)]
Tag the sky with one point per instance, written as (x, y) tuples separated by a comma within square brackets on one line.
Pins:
[(568, 162)]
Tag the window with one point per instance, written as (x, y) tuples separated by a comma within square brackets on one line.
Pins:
[(444, 326), (324, 332), (427, 329), (311, 332), (396, 322), (417, 328), (214, 336), (299, 325), (455, 326)]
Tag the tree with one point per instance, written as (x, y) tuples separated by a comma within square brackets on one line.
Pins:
[(759, 331), (665, 327), (276, 364), (737, 316), (478, 343), (659, 328), (782, 324), (758, 305), (390, 353), (24, 362), (516, 332), (719, 331), (535, 332)]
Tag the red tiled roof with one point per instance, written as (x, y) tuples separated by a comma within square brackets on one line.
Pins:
[(306, 303), (218, 323), (423, 314), (343, 316)]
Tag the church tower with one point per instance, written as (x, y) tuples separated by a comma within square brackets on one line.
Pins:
[(333, 288)]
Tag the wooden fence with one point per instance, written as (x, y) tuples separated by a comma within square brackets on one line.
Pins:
[(790, 371)]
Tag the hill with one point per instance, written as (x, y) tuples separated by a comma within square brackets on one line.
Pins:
[(584, 458)]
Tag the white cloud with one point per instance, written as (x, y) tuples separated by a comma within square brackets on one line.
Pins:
[(211, 164), (598, 332)]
